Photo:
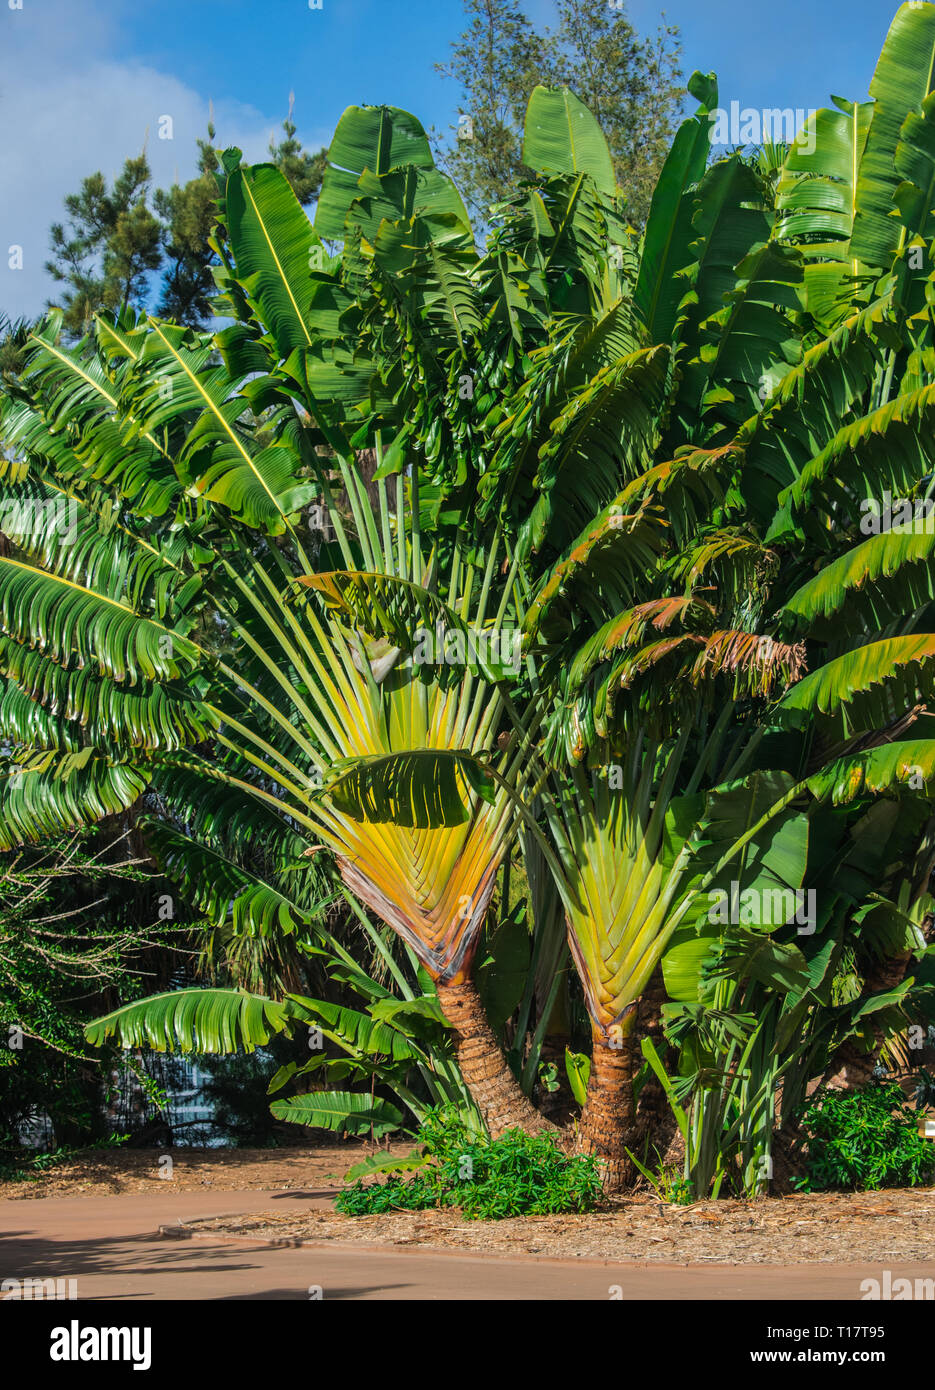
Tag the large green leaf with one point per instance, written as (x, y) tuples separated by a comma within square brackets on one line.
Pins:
[(193, 1020), (428, 273), (378, 138), (751, 342), (45, 705), (272, 240), (373, 1164), (229, 894), (346, 1112), (885, 575), (889, 449), (876, 771), (666, 249), (597, 442), (901, 81), (561, 136), (502, 971), (862, 688), (730, 223), (178, 381), (405, 193), (915, 162), (360, 1034), (817, 199), (66, 620), (817, 193), (77, 387), (807, 405), (43, 793)]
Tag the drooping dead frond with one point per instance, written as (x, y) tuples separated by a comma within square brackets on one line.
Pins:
[(763, 662)]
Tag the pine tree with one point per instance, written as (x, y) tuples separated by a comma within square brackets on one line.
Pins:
[(303, 170), (187, 213), (116, 238), (496, 61), (111, 243)]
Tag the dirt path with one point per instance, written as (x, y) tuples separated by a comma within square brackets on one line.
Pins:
[(110, 1246)]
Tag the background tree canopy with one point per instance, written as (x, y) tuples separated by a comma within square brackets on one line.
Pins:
[(631, 84), (117, 237)]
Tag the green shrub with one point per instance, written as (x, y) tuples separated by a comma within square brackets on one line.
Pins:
[(516, 1175), (865, 1139)]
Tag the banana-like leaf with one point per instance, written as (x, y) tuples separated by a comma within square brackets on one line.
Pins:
[(876, 771), (43, 793), (666, 249), (177, 378), (561, 136), (46, 705), (889, 449), (404, 194), (901, 81), (502, 973), (378, 138), (729, 223), (430, 270), (817, 200), (616, 552), (79, 386), (885, 1000), (346, 1112), (361, 1034), (887, 574), (65, 619), (754, 339), (864, 688), (817, 192), (373, 1164), (272, 240), (194, 1020), (915, 161), (804, 410), (597, 441), (225, 891), (410, 1015)]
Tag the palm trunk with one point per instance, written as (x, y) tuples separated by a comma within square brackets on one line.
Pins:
[(657, 1130), (608, 1121), (486, 1073)]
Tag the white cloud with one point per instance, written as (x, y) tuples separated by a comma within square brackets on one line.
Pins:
[(66, 111)]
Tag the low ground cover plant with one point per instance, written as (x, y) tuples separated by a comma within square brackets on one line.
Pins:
[(518, 1174), (866, 1139)]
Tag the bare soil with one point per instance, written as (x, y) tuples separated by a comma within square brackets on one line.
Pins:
[(232, 1170)]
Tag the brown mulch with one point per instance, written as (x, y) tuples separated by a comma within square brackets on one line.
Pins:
[(220, 1170), (864, 1227), (837, 1228)]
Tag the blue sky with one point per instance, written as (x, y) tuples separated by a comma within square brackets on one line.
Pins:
[(84, 83)]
